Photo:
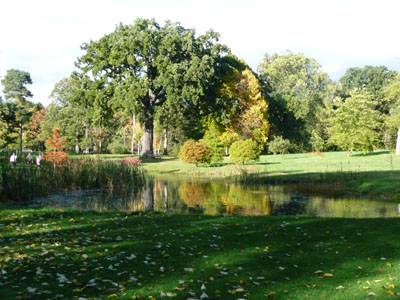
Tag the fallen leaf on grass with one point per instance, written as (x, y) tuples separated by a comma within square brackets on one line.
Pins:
[(390, 292), (340, 287), (270, 294), (191, 270)]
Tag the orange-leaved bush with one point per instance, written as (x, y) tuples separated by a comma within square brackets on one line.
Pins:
[(195, 152), (56, 154)]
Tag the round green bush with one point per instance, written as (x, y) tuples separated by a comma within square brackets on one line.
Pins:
[(279, 145), (195, 152), (244, 151), (118, 148), (213, 141)]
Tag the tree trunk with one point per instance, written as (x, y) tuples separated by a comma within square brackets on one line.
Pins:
[(159, 148), (147, 139), (398, 142), (20, 139), (124, 137), (86, 136), (133, 133), (165, 146), (227, 151)]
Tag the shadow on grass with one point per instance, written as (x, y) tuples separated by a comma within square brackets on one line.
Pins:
[(157, 160), (265, 163), (231, 256), (371, 153)]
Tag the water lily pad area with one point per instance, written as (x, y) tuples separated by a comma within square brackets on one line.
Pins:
[(68, 254)]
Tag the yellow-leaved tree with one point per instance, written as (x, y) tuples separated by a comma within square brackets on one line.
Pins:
[(250, 120)]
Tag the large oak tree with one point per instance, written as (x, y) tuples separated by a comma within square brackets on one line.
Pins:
[(144, 66)]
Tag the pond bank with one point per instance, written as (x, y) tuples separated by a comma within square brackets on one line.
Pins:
[(376, 174)]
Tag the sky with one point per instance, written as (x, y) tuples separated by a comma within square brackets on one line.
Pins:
[(43, 37)]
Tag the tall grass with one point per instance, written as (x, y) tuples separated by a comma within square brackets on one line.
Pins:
[(25, 181)]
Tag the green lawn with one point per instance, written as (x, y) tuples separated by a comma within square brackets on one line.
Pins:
[(56, 254)]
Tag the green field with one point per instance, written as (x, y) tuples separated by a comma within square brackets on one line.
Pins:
[(56, 254)]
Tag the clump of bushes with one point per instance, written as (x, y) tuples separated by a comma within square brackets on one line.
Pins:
[(133, 161), (195, 152), (244, 151), (279, 145)]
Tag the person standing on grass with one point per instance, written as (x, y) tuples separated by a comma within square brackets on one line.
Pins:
[(38, 159), (13, 159)]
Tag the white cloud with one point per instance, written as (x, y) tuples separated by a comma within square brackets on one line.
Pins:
[(332, 67)]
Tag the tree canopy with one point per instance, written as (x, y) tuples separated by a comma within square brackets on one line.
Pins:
[(248, 114), (354, 123), (145, 65), (296, 87), (14, 83), (371, 79)]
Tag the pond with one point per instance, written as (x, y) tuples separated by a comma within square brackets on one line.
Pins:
[(214, 197)]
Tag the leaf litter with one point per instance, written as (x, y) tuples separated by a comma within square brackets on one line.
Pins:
[(130, 256)]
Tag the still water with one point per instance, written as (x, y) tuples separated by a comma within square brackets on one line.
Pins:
[(213, 198)]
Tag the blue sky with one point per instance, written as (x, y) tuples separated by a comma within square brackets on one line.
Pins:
[(43, 37)]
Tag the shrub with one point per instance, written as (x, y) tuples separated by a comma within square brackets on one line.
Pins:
[(133, 161), (195, 152), (173, 148), (117, 147), (279, 145), (213, 141), (244, 151), (55, 154)]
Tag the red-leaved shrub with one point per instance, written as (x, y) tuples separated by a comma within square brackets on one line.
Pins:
[(133, 161)]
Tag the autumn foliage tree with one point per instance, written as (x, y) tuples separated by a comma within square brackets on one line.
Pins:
[(250, 119), (56, 154)]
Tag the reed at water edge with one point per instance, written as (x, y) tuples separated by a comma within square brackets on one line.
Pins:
[(24, 181)]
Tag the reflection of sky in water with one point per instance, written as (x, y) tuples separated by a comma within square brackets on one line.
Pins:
[(212, 198)]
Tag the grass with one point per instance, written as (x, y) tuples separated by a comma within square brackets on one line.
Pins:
[(66, 254)]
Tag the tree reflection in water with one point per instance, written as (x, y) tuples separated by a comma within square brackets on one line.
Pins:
[(211, 197)]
